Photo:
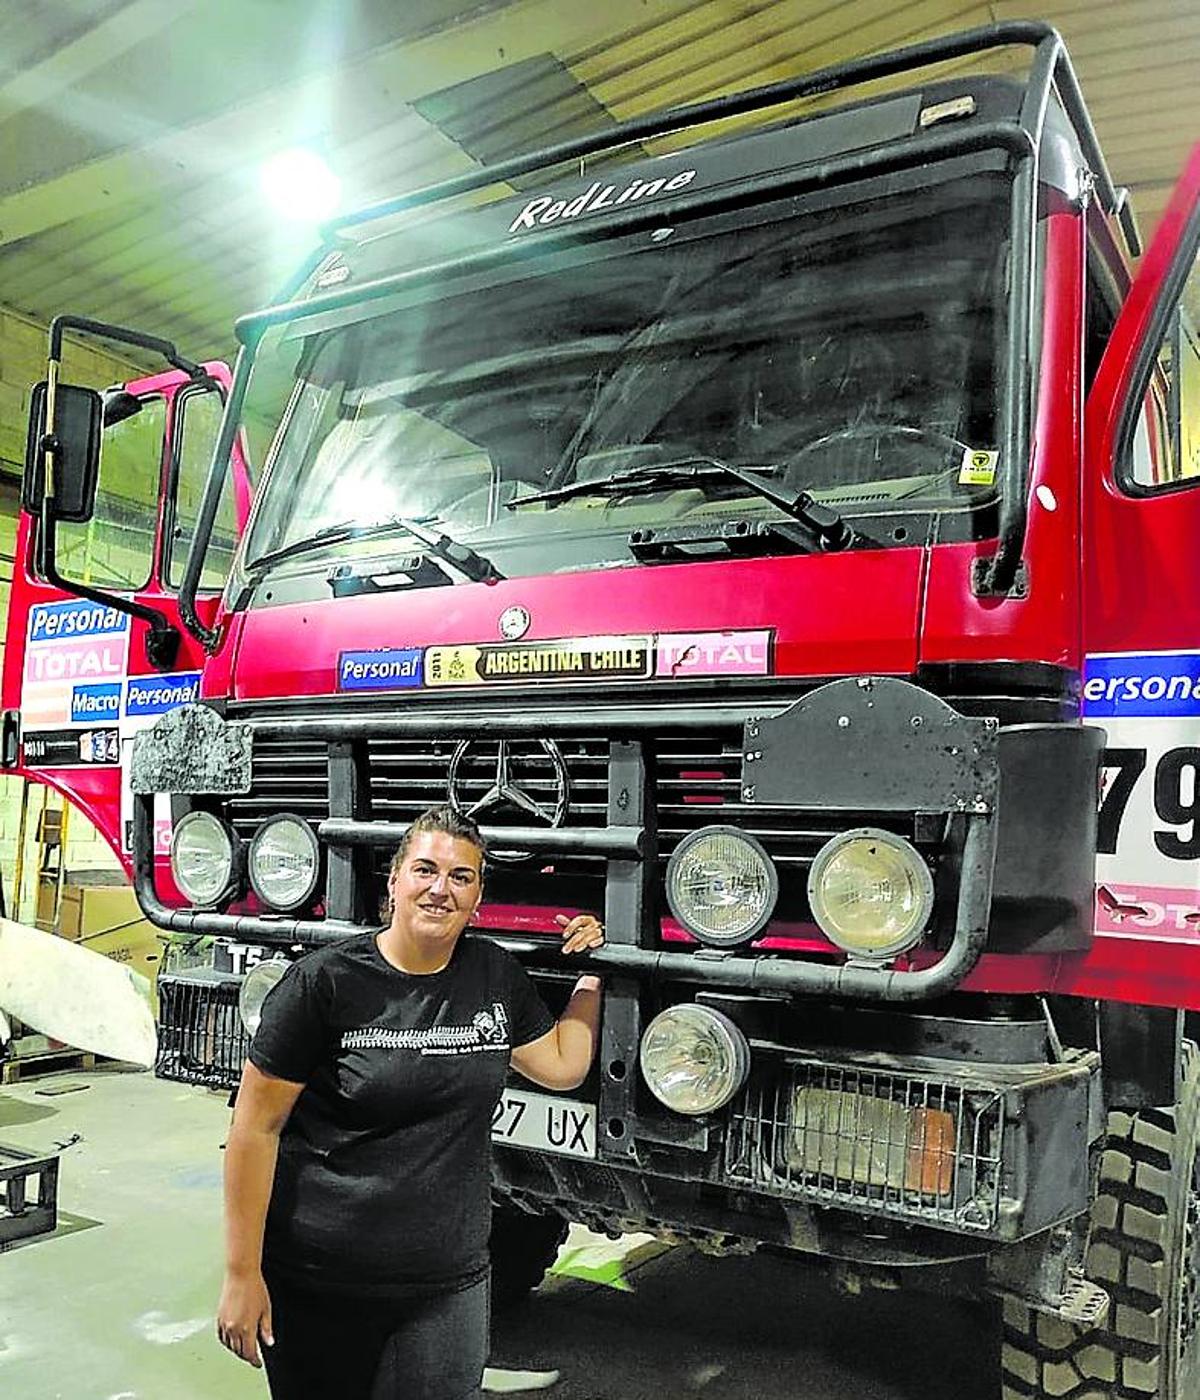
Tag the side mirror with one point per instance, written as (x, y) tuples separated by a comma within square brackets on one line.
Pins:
[(78, 423), (119, 404)]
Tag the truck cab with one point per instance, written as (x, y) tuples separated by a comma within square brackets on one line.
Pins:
[(779, 543)]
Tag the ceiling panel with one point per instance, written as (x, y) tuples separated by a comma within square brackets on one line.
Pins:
[(133, 130)]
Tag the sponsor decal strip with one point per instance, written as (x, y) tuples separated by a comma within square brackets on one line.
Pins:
[(72, 748), (670, 656), (1148, 830), (76, 655), (1165, 684), (1149, 911)]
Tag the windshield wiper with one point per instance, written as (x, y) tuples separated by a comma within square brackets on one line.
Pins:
[(829, 529), (464, 560)]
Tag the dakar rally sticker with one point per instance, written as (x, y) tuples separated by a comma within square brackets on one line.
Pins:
[(569, 659), (978, 467), (679, 655)]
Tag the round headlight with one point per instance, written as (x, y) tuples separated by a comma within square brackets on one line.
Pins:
[(721, 885), (694, 1058), (871, 893), (205, 858), (255, 986), (284, 863)]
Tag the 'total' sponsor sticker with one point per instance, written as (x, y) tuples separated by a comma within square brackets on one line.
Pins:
[(684, 654)]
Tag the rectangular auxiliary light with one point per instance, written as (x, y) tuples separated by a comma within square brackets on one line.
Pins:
[(871, 1141)]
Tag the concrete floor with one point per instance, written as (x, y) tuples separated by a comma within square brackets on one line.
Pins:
[(118, 1304)]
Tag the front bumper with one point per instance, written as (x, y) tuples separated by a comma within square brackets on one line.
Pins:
[(841, 755), (815, 1136)]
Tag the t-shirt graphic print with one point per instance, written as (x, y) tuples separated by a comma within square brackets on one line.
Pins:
[(488, 1031)]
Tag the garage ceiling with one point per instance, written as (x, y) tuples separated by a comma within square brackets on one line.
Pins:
[(132, 131)]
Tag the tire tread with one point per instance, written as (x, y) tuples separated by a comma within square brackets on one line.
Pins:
[(1129, 1239)]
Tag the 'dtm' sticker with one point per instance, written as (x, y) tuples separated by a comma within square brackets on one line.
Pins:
[(978, 468)]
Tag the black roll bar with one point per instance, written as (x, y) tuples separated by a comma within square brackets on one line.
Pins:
[(702, 967), (1050, 68)]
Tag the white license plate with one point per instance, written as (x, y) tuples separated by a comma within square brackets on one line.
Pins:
[(545, 1122)]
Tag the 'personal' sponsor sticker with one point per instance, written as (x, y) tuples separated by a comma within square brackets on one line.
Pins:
[(393, 668), (1158, 684), (155, 695), (65, 621)]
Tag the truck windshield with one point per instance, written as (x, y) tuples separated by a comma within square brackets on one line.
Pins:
[(855, 353)]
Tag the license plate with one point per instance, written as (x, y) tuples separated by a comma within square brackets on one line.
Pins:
[(545, 1122)]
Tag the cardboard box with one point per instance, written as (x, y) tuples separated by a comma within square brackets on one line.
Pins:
[(87, 909), (107, 919)]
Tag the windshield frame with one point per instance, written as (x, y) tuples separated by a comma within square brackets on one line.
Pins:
[(930, 158)]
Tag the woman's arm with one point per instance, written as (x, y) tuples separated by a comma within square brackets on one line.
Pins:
[(561, 1058), (263, 1106)]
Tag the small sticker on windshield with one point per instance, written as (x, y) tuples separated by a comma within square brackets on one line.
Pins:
[(978, 468)]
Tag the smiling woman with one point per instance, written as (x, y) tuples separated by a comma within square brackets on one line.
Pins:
[(357, 1169)]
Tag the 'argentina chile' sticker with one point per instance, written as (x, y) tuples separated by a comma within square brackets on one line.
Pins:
[(393, 668), (1166, 684)]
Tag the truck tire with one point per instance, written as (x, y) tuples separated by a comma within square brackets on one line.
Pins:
[(1144, 1249), (522, 1247)]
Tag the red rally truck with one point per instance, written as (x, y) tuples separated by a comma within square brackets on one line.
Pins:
[(784, 544)]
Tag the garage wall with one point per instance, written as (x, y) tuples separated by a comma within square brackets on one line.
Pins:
[(22, 363)]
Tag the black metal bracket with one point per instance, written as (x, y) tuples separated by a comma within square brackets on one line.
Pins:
[(348, 867), (872, 744), (984, 585), (10, 739)]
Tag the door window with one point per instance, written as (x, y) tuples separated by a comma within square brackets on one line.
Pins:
[(115, 548), (197, 424), (1163, 450)]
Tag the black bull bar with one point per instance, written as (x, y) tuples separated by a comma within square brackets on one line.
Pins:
[(866, 744)]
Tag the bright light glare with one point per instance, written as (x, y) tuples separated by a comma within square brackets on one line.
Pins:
[(300, 186)]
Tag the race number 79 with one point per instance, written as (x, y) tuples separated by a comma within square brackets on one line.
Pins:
[(1176, 780)]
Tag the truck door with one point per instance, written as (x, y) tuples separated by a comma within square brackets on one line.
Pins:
[(77, 681), (1141, 575)]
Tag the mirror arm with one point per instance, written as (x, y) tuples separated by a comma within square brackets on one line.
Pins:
[(162, 640), (165, 348)]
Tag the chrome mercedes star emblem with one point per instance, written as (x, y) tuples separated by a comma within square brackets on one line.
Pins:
[(514, 622), (529, 786)]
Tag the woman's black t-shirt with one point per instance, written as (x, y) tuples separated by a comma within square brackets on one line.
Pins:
[(382, 1182)]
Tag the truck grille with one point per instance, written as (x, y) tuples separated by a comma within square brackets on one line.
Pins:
[(866, 1139), (201, 1039), (698, 783)]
